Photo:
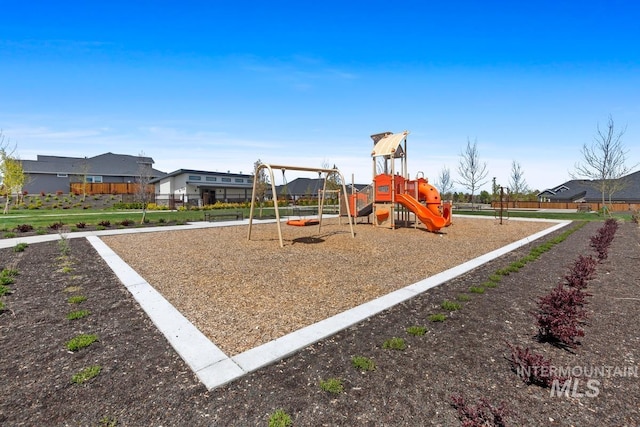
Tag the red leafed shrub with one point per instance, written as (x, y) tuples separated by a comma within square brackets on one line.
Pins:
[(105, 223), (56, 225), (560, 316), (601, 241), (23, 228), (533, 368), (81, 225), (481, 415), (583, 270)]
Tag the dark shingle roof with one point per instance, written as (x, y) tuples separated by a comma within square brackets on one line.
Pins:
[(103, 164), (307, 186), (578, 189)]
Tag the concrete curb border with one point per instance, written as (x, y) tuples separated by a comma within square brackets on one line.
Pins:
[(210, 364)]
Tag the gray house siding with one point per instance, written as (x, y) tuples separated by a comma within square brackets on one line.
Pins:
[(50, 174)]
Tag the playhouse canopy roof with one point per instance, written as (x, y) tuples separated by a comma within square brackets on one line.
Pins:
[(389, 144)]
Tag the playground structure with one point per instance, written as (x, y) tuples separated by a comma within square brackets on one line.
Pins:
[(297, 222), (391, 188)]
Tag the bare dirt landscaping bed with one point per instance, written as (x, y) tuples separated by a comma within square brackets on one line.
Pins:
[(142, 381)]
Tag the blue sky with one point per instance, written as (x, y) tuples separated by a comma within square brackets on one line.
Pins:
[(216, 85)]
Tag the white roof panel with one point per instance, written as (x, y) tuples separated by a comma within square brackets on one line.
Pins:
[(390, 145)]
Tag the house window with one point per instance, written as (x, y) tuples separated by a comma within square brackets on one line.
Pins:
[(195, 178), (62, 175), (211, 178), (94, 179), (250, 181), (226, 179), (239, 180)]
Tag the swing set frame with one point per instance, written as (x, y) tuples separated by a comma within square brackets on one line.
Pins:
[(270, 168)]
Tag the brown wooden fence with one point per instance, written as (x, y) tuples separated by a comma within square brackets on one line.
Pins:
[(615, 206), (107, 188)]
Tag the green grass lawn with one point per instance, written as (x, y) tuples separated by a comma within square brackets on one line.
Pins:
[(570, 216), (42, 219)]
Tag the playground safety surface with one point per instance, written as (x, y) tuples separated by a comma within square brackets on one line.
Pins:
[(144, 382)]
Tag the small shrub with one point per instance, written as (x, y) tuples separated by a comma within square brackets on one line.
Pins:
[(416, 330), (4, 290), (476, 290), (20, 247), (63, 246), (394, 344), (363, 363), (81, 341), (126, 222), (601, 241), (532, 368), (489, 284), (437, 317), (104, 223), (77, 299), (583, 270), (463, 297), (86, 374), (280, 419), (481, 415), (450, 305), (81, 225), (9, 235), (332, 385), (23, 228), (560, 315), (56, 225), (79, 314)]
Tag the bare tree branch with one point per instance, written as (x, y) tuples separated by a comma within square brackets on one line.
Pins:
[(517, 183), (604, 160), (472, 172), (444, 184)]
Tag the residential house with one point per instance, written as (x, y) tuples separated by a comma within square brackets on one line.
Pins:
[(588, 191), (51, 174), (305, 188), (197, 187)]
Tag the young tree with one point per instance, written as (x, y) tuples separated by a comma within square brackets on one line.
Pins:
[(472, 172), (604, 160), (444, 184), (261, 183), (517, 183), (333, 179), (495, 189), (84, 176), (143, 189), (11, 172)]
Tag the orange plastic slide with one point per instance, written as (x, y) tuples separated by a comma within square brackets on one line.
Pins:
[(431, 220)]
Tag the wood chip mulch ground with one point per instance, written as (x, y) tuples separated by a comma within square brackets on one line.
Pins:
[(142, 381)]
